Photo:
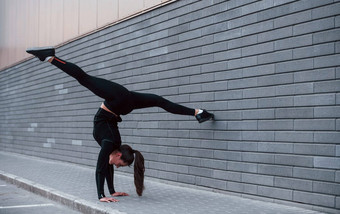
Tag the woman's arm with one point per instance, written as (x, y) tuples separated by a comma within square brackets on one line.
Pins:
[(107, 147)]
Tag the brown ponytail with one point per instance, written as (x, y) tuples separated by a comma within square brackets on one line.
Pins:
[(128, 157), (139, 172)]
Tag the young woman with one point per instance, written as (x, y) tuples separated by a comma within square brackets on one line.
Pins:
[(117, 101)]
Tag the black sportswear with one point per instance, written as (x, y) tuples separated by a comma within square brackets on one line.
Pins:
[(120, 101)]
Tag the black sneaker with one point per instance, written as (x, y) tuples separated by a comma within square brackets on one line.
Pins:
[(204, 116), (42, 52)]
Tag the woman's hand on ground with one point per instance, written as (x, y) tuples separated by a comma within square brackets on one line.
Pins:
[(120, 194), (108, 199)]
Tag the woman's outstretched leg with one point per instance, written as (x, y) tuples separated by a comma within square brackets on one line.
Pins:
[(103, 88), (144, 100)]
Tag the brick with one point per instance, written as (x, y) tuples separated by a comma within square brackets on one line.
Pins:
[(242, 83), (214, 164), (314, 100), (275, 193), (337, 176), (242, 21), (326, 137), (326, 36), (326, 188), (242, 125), (225, 155), (293, 42), (198, 171), (327, 86), (275, 57), (243, 62), (294, 65), (294, 160), (292, 19), (337, 47), (258, 27), (311, 51), (227, 35), (314, 174), (215, 47), (218, 184), (241, 167), (242, 104), (258, 179), (258, 157), (291, 136), (211, 28), (258, 114), (228, 95), (227, 55), (313, 198), (258, 49), (257, 6), (275, 125), (314, 26), (337, 21), (275, 34), (326, 11), (291, 183), (227, 175), (294, 113), (258, 92), (314, 149), (258, 135), (244, 146), (295, 89), (312, 124), (327, 162), (275, 147), (258, 70), (286, 171), (314, 75), (275, 102)]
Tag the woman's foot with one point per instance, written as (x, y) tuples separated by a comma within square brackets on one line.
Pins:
[(203, 115), (42, 53)]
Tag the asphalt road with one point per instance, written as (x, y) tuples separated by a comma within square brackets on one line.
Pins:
[(14, 200)]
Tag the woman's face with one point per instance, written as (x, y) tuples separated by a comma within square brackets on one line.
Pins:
[(115, 159)]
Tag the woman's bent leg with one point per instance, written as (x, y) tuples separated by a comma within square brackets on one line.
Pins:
[(143, 100)]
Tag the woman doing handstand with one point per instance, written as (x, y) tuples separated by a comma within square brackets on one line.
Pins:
[(117, 101)]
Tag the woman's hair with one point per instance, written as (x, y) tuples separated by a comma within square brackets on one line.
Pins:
[(128, 157)]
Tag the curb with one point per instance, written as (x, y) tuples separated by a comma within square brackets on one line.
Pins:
[(83, 206)]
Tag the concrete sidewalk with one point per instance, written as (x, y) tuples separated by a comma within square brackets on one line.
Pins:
[(74, 186)]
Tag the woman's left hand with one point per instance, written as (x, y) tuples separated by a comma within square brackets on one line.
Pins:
[(120, 194)]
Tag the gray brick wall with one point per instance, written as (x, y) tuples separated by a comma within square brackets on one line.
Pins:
[(268, 69)]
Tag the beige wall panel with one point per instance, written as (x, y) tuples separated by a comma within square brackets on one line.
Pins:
[(27, 23), (107, 12), (56, 33), (71, 19), (21, 35), (32, 26), (12, 29), (44, 22), (3, 35), (151, 3), (87, 15), (129, 7)]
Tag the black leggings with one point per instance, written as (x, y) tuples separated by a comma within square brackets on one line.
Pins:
[(117, 98)]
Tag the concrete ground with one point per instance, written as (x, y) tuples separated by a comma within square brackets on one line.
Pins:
[(74, 186)]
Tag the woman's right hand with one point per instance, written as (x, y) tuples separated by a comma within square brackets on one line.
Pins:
[(108, 200)]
